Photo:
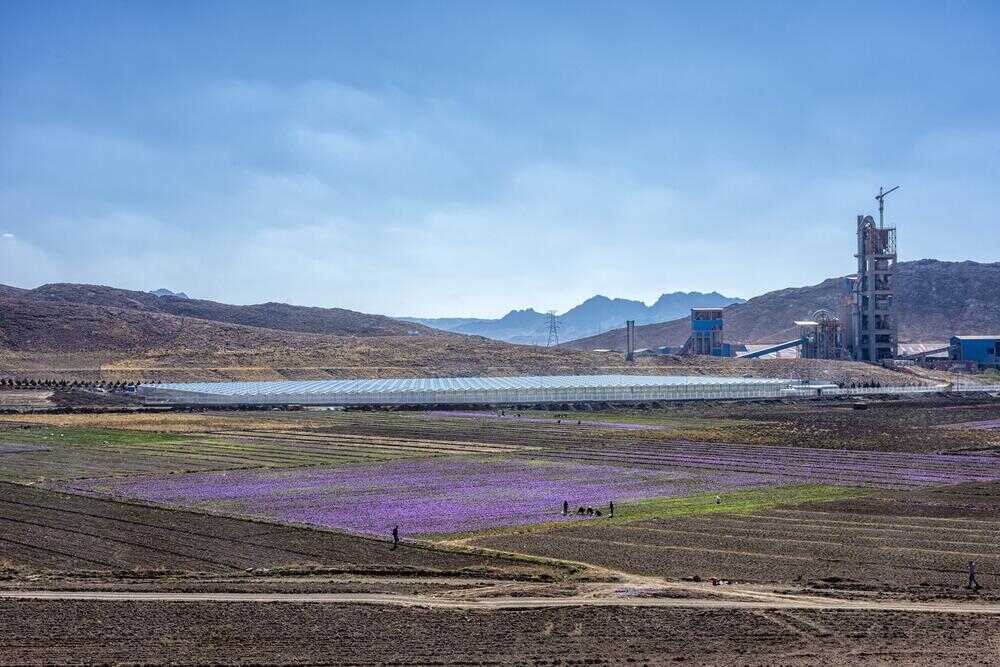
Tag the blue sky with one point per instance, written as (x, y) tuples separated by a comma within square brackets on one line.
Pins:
[(438, 158)]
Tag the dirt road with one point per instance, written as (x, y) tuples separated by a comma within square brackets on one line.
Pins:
[(732, 599)]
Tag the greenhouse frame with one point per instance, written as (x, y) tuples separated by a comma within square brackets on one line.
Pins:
[(467, 391)]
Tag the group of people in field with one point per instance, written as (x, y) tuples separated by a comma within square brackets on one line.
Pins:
[(589, 511)]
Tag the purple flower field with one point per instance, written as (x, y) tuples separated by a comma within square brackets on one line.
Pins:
[(442, 495), (459, 494)]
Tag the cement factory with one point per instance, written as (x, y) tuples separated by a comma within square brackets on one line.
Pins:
[(865, 329)]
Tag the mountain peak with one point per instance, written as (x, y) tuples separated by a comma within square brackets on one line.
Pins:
[(594, 315), (163, 291)]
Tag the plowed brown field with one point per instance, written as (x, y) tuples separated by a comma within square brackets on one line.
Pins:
[(894, 540), (43, 530), (52, 632)]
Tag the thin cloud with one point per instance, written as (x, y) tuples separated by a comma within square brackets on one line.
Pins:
[(437, 179)]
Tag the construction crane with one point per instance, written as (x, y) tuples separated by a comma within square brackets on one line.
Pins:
[(881, 204)]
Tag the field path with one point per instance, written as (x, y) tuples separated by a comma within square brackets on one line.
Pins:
[(734, 599)]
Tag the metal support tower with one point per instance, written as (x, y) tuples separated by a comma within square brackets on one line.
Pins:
[(874, 319), (553, 329), (629, 340)]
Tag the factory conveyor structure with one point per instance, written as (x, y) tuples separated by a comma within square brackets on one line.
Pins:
[(777, 347)]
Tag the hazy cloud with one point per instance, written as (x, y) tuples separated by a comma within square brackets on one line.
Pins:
[(467, 178)]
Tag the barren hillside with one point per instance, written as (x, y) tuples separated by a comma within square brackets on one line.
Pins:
[(85, 332), (280, 316)]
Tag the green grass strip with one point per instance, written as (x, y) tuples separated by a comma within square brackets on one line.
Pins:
[(737, 502), (87, 436), (747, 501)]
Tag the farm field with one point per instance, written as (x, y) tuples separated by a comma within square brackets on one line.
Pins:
[(44, 530), (91, 445), (54, 632), (913, 540), (461, 494), (840, 534), (895, 426), (886, 425), (53, 453), (421, 495)]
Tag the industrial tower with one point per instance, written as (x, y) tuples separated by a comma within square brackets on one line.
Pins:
[(874, 319), (629, 340)]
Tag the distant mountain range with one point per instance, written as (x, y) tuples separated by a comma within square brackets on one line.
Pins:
[(165, 292), (593, 316), (935, 300)]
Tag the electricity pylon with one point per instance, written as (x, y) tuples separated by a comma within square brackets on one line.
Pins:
[(553, 329)]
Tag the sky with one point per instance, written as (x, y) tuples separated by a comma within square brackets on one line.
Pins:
[(468, 158)]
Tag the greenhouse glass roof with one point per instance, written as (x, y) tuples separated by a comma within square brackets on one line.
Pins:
[(482, 390), (299, 387)]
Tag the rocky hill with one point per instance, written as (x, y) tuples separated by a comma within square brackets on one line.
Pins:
[(277, 316), (91, 332), (596, 314), (935, 301)]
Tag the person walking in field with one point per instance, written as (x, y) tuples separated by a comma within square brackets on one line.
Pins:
[(565, 507), (611, 509), (395, 537), (718, 500), (973, 584)]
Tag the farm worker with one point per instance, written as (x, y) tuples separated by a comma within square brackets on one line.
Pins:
[(718, 500), (611, 508), (395, 537), (565, 507), (973, 584)]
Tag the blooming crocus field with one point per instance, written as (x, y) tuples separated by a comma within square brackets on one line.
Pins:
[(442, 495), (467, 493)]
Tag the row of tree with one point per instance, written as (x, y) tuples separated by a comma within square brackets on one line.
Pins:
[(24, 383)]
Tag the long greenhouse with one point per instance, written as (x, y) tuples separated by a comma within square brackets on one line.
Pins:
[(467, 391)]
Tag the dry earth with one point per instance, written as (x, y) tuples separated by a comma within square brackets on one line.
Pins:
[(35, 632), (916, 541), (870, 580)]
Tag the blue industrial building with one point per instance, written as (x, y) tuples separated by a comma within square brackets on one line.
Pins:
[(982, 350), (706, 333)]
